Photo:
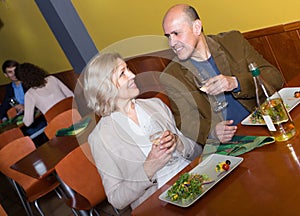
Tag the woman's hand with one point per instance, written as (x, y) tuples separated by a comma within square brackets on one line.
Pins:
[(168, 141), (160, 154)]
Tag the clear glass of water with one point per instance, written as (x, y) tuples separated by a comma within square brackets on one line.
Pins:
[(219, 102)]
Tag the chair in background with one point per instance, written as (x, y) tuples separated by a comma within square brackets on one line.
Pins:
[(78, 172), (11, 113), (62, 120), (2, 211), (10, 135), (29, 189), (61, 106)]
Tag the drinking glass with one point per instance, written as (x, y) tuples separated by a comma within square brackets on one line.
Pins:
[(155, 131), (13, 101), (219, 102)]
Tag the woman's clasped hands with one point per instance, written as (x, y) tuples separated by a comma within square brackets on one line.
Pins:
[(161, 152)]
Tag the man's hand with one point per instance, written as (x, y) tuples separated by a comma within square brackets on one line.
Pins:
[(219, 84), (225, 131), (19, 108)]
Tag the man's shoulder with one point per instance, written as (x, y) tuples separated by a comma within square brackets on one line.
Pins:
[(224, 36), (171, 66), (177, 67), (9, 89), (8, 85)]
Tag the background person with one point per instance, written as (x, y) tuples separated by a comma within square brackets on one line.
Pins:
[(14, 89), (130, 166), (228, 54), (43, 92)]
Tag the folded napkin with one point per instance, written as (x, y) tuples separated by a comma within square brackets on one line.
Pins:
[(17, 119), (238, 145), (75, 128)]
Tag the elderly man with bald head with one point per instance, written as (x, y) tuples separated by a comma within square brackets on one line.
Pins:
[(226, 57)]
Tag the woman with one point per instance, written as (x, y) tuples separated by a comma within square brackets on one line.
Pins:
[(130, 166), (44, 91)]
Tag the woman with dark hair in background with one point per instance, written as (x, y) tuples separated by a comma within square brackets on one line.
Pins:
[(44, 90)]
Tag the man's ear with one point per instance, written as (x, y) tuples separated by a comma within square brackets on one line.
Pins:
[(197, 27), (5, 75)]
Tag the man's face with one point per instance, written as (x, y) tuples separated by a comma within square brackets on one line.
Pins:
[(10, 74), (181, 36)]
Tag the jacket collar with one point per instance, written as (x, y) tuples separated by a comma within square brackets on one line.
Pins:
[(218, 54)]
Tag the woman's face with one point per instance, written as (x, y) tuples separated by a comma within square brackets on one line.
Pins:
[(124, 81)]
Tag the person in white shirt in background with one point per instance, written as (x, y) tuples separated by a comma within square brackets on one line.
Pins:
[(43, 92)]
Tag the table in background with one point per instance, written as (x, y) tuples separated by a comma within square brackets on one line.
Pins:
[(50, 153), (265, 183), (15, 123)]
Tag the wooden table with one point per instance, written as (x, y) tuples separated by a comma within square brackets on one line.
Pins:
[(265, 183), (8, 126), (50, 153), (14, 124)]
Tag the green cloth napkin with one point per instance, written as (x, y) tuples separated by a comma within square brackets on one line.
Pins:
[(237, 146), (17, 119), (75, 128)]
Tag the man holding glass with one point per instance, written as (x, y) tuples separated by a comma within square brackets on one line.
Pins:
[(225, 57), (14, 95)]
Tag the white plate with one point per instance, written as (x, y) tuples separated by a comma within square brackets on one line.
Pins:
[(287, 95), (206, 167)]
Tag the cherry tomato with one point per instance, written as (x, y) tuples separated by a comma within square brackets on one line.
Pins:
[(297, 94), (225, 167)]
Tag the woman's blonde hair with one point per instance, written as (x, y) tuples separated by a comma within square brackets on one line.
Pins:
[(99, 90)]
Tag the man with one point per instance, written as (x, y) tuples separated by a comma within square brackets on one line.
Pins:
[(13, 89), (226, 56)]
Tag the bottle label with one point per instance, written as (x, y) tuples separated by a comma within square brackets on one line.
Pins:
[(269, 123)]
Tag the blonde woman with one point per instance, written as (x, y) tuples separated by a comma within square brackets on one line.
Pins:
[(131, 167)]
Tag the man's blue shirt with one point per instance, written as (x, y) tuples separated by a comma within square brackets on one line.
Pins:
[(234, 111)]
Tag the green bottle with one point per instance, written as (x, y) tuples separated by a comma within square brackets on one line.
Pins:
[(272, 108)]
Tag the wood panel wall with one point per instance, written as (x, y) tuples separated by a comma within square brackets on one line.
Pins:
[(280, 45), (147, 70)]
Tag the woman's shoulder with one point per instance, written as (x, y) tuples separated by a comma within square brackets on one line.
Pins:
[(150, 101), (51, 77), (103, 124), (155, 104), (102, 129)]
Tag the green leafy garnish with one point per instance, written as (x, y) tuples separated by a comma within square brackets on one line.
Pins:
[(187, 187), (256, 117)]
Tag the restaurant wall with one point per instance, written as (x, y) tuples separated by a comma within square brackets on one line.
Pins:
[(131, 27)]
